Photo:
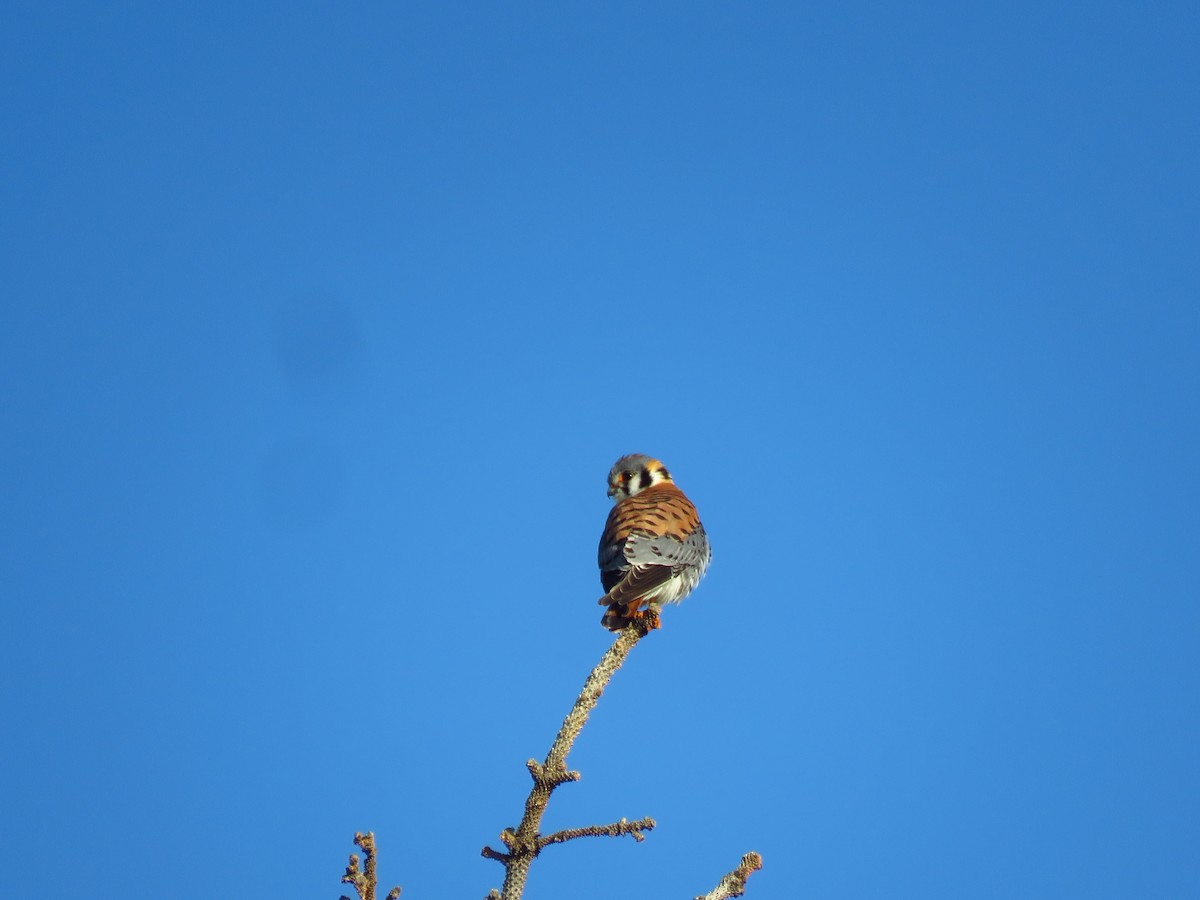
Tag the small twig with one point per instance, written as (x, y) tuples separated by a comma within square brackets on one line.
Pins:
[(734, 883), (365, 880), (489, 853), (616, 829)]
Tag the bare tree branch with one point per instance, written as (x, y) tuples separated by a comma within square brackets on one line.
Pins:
[(524, 843), (616, 829), (365, 880), (734, 883)]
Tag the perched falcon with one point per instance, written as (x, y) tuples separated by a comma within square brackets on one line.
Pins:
[(653, 549)]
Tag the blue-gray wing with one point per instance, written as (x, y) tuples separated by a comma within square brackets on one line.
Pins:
[(666, 550)]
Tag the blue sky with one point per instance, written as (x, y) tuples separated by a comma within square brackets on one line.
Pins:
[(323, 324)]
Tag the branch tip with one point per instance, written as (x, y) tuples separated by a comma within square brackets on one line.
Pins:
[(733, 884), (364, 879), (636, 830), (489, 853)]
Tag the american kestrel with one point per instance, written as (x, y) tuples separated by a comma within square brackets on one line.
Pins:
[(653, 549)]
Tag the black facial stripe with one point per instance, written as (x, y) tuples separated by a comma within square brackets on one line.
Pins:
[(644, 481)]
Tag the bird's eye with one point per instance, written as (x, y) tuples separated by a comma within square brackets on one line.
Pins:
[(625, 476)]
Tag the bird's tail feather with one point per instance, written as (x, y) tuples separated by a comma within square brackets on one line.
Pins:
[(620, 614)]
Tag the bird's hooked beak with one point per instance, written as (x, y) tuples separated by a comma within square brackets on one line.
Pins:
[(612, 491)]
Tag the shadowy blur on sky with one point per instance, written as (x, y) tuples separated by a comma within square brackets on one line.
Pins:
[(322, 325)]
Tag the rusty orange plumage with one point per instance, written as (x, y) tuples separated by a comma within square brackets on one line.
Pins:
[(654, 549)]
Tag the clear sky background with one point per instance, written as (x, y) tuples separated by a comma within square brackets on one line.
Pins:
[(323, 323)]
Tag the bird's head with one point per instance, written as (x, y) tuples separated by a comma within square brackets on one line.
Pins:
[(634, 473)]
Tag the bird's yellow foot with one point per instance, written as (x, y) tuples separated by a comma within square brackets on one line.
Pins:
[(648, 617)]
